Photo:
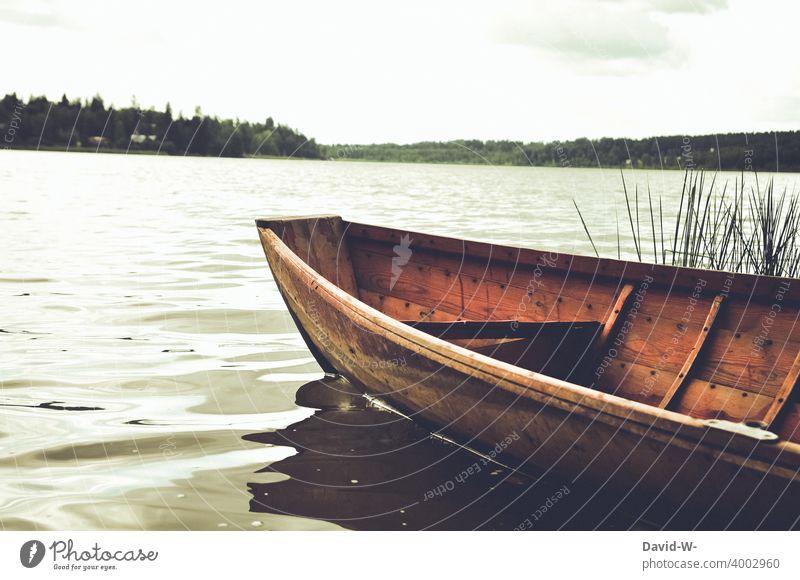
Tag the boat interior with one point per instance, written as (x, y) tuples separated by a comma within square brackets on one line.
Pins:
[(706, 344)]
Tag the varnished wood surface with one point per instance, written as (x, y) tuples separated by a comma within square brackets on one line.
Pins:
[(471, 329), (447, 279), (688, 364), (565, 426)]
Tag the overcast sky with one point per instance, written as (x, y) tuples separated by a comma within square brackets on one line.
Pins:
[(362, 72)]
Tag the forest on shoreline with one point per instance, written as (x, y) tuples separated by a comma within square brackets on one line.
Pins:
[(778, 151), (89, 125)]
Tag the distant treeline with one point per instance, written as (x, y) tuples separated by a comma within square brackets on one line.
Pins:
[(90, 125), (737, 152)]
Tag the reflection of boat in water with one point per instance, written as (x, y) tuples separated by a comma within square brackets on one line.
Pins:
[(365, 468), (654, 383)]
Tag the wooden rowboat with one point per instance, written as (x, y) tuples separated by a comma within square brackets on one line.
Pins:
[(673, 390)]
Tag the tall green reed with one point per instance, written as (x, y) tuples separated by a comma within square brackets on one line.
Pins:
[(749, 229)]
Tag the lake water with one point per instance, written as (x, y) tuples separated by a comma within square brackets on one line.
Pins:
[(149, 365)]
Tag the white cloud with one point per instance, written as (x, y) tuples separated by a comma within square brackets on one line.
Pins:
[(598, 31), (32, 13), (358, 71), (688, 6), (577, 30)]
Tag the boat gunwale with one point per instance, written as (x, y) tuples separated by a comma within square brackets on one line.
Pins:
[(679, 428)]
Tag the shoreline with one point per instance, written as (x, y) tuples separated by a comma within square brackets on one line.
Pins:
[(117, 151), (146, 152)]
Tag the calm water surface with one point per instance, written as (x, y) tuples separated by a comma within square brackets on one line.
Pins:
[(147, 356)]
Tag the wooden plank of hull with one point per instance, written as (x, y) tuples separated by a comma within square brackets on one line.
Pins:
[(539, 278), (400, 309), (476, 329), (663, 338), (563, 427), (723, 360), (450, 287)]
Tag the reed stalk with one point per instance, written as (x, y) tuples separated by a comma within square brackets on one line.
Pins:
[(751, 231)]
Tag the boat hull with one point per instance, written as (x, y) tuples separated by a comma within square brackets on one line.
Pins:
[(668, 468)]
